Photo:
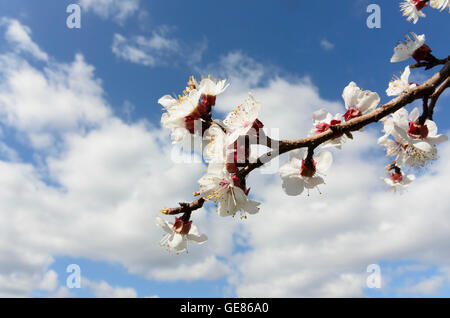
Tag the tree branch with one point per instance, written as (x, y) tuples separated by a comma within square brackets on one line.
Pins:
[(435, 96), (428, 89), (357, 123), (429, 65)]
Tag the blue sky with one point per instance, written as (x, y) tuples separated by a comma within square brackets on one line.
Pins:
[(75, 201)]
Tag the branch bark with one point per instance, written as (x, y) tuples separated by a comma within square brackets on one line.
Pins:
[(431, 88)]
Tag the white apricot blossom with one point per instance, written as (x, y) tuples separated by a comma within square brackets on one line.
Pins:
[(178, 234), (227, 190), (244, 118), (399, 85), (212, 87), (322, 121), (412, 10), (183, 116), (358, 101), (413, 144), (440, 4), (298, 174), (410, 47), (216, 149), (398, 181)]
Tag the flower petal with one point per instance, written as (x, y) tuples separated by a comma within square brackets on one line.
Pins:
[(324, 160), (166, 226), (198, 239), (293, 185)]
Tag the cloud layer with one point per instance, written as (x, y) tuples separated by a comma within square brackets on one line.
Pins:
[(99, 183)]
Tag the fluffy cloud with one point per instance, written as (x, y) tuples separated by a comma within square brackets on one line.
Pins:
[(103, 290), (19, 36), (326, 45), (157, 49), (43, 105), (118, 10), (109, 179), (142, 50)]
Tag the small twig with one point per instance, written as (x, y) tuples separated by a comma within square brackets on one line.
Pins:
[(425, 112), (185, 207), (435, 96), (431, 64)]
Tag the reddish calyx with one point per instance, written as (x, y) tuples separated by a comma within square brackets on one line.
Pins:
[(308, 168), (197, 114), (181, 227), (322, 127), (208, 100), (420, 4), (396, 177), (351, 113), (257, 124), (417, 131), (240, 152), (240, 183), (423, 53)]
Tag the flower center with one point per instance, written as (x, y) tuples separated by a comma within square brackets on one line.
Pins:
[(224, 183), (322, 127), (308, 168), (257, 124), (422, 54), (417, 131), (240, 183), (238, 152), (420, 4), (396, 177), (181, 227), (352, 112), (208, 100)]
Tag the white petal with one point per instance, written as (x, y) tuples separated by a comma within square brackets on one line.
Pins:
[(423, 145), (298, 154), (177, 242), (293, 185), (313, 182), (432, 127), (198, 239), (164, 224), (321, 115), (324, 160), (414, 115), (437, 139), (167, 101)]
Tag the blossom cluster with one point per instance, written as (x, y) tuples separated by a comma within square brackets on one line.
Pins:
[(409, 137), (413, 9)]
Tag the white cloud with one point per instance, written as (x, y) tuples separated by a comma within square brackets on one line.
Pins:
[(45, 104), (113, 178), (141, 50), (157, 49), (210, 269), (429, 286), (118, 10), (103, 290), (19, 36), (326, 45)]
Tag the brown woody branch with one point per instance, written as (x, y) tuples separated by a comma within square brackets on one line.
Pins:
[(418, 92), (435, 96), (431, 64), (185, 207), (432, 88)]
